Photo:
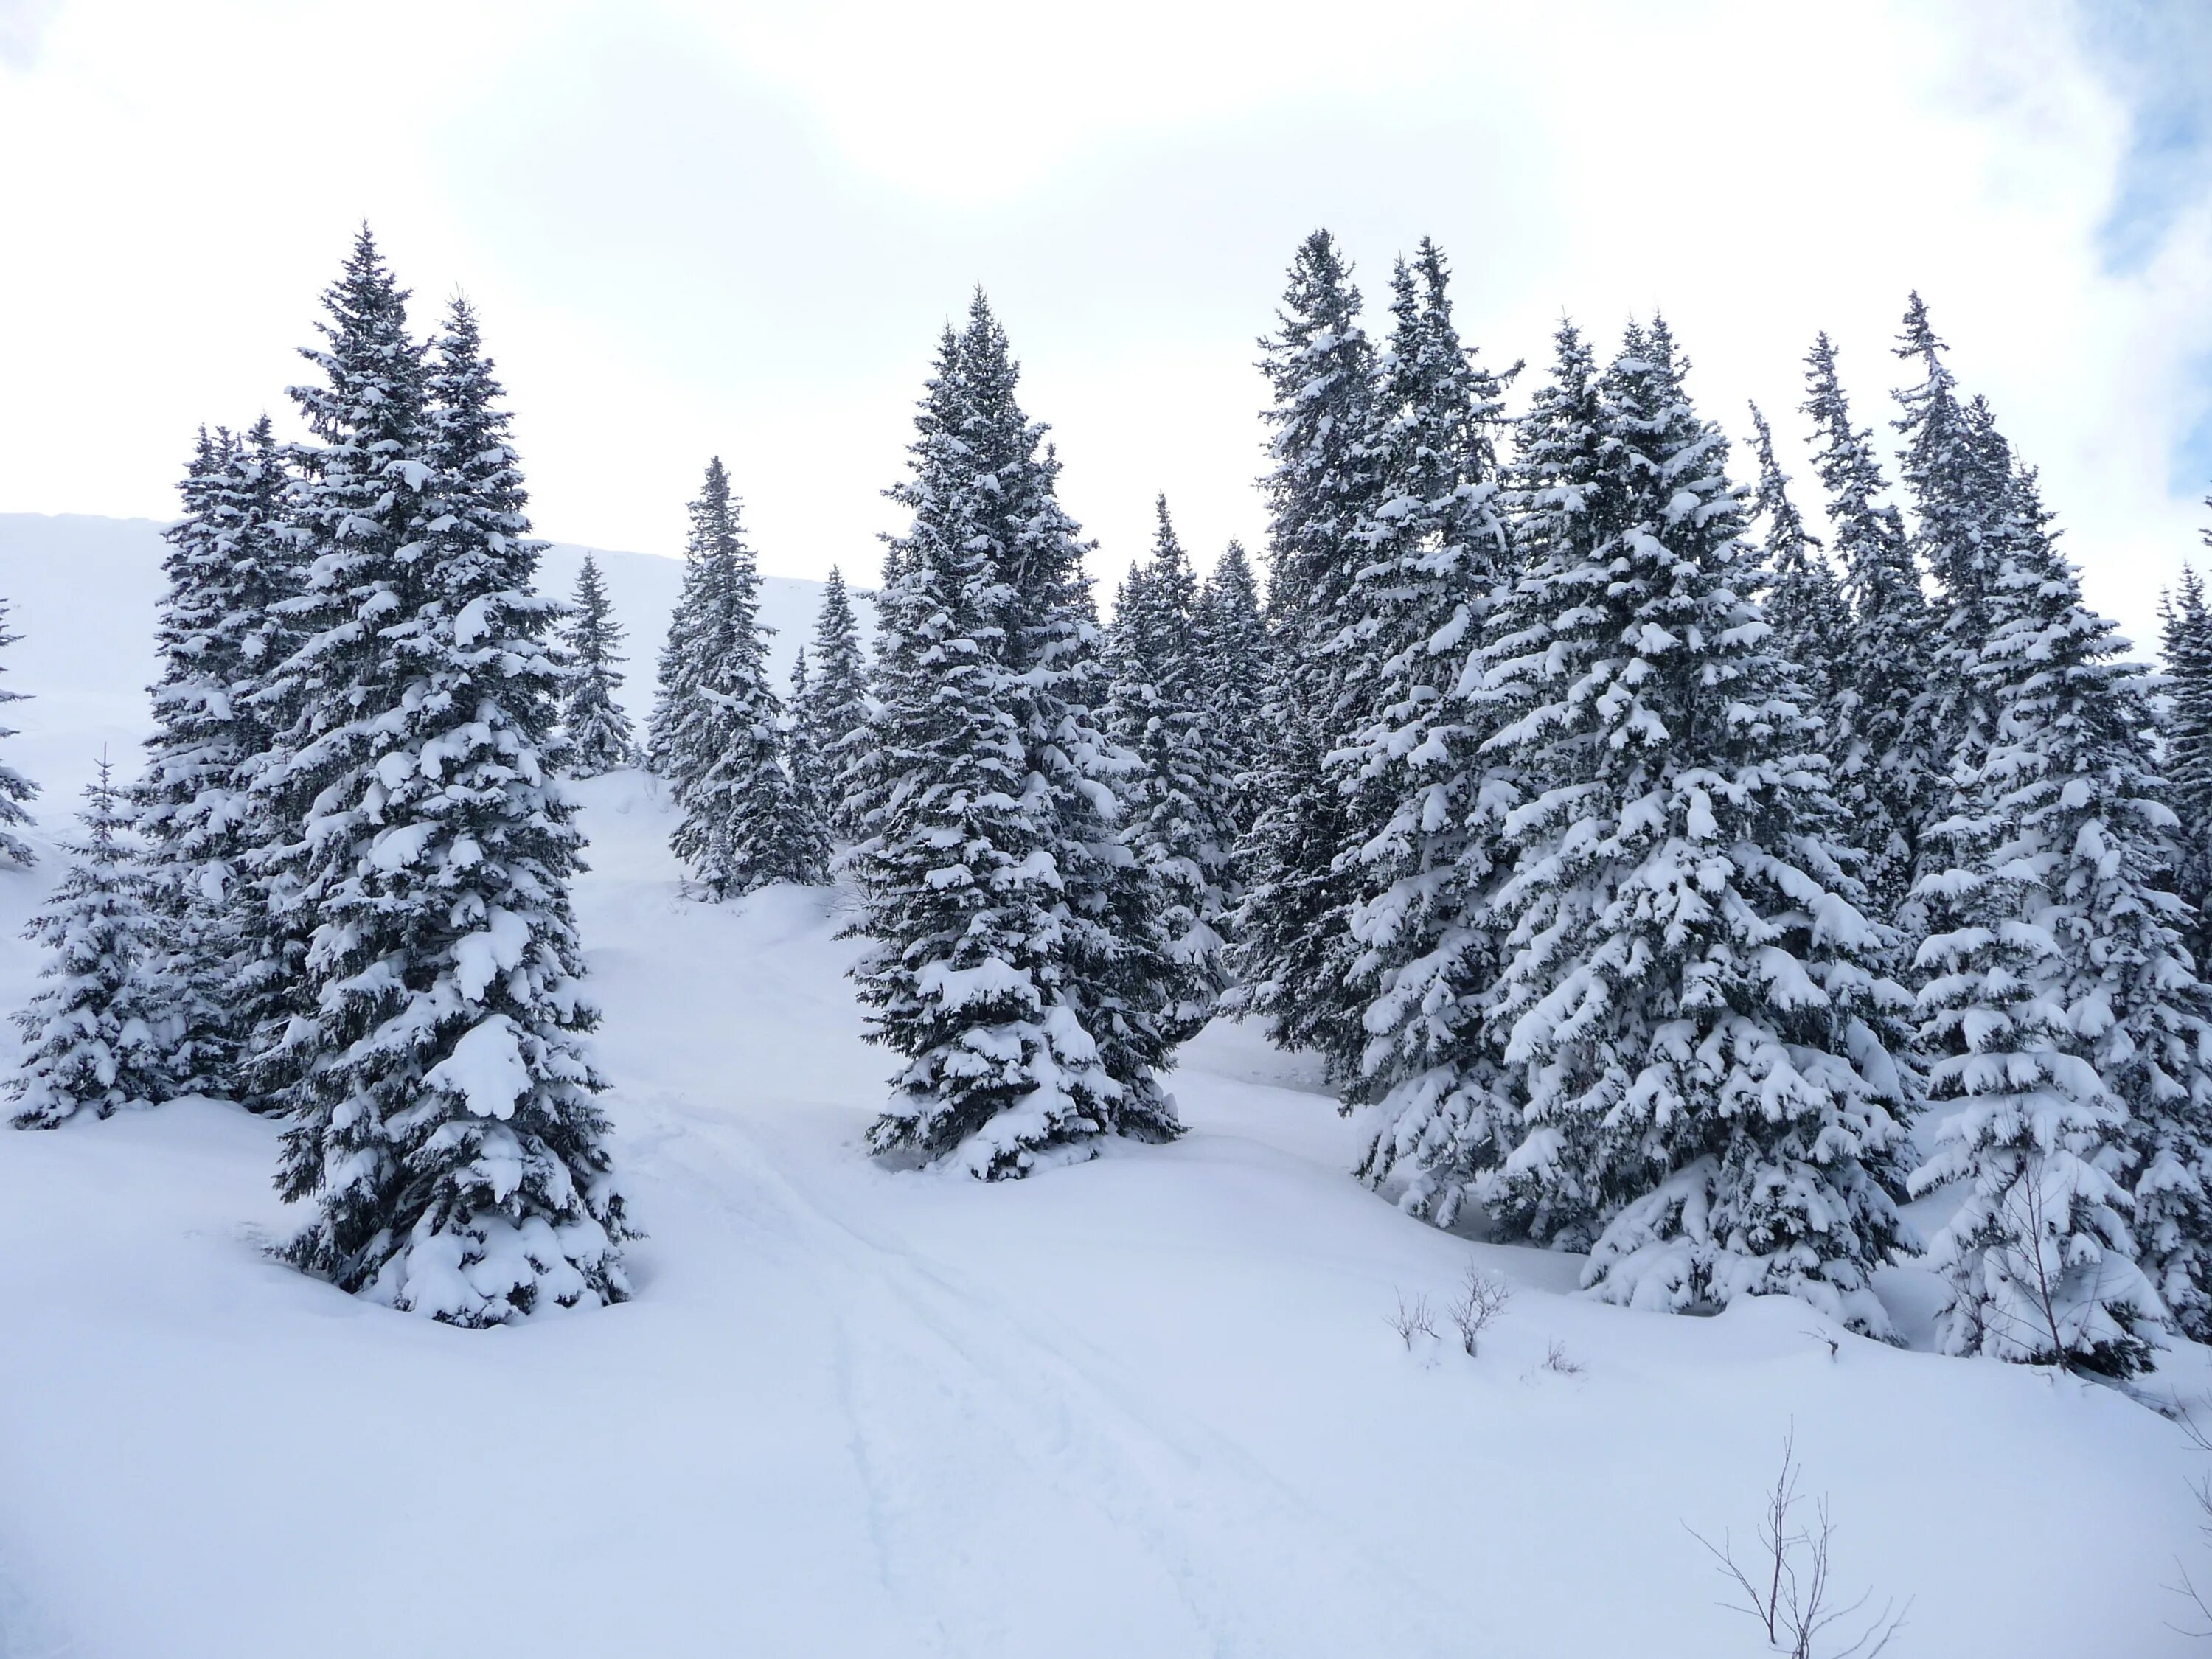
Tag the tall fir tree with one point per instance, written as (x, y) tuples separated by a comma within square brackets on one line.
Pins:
[(2070, 1035), (225, 567), (14, 788), (717, 732), (809, 782), (1178, 802), (836, 711), (2188, 641), (598, 735), (1888, 766), (1232, 641), (991, 886), (267, 559), (1802, 600), (1294, 944), (444, 1120), (1699, 1046), (1419, 792), (96, 1039)]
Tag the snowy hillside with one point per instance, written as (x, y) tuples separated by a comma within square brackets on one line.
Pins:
[(1149, 1406)]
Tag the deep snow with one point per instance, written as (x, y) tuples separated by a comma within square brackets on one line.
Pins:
[(1148, 1406)]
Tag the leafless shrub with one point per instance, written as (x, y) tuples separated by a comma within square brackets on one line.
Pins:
[(1786, 1587), (1557, 1360), (1412, 1319), (2201, 1491), (1479, 1301)]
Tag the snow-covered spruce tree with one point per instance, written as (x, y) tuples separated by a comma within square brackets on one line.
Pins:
[(836, 711), (1232, 640), (2068, 1034), (1699, 1048), (14, 788), (1177, 804), (1294, 946), (96, 1038), (1803, 601), (2188, 641), (810, 784), (1119, 972), (598, 733), (226, 568), (1887, 768), (716, 735), (267, 563), (1957, 475), (444, 1120), (1448, 1126), (979, 882), (1419, 792)]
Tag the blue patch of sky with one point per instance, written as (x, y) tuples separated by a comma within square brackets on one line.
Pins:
[(2157, 55)]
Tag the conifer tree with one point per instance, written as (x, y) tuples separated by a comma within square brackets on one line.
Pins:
[(444, 1122), (995, 884), (14, 788), (96, 1037), (267, 567), (1887, 768), (2188, 644), (2070, 1034), (836, 711), (226, 568), (598, 733), (1698, 1047), (809, 782), (1294, 944), (1418, 788), (1802, 600), (717, 732), (1177, 802), (1232, 641)]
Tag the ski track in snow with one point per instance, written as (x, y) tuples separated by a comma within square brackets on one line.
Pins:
[(929, 1361)]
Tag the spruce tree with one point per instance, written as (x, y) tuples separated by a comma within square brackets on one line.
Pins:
[(717, 734), (1698, 1049), (1178, 802), (226, 568), (1419, 790), (810, 784), (444, 1122), (2070, 1032), (994, 883), (2188, 640), (1232, 641), (1294, 944), (1802, 598), (268, 557), (96, 1038), (14, 788), (836, 711), (1887, 768), (598, 733)]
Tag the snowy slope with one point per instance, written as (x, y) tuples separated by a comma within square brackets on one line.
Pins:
[(1145, 1406)]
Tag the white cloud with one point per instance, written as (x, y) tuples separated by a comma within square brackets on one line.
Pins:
[(720, 228)]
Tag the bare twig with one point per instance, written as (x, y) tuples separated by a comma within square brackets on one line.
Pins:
[(1412, 1319), (1557, 1360), (1787, 1588), (1481, 1298)]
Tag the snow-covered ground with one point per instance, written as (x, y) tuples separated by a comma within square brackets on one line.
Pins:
[(1148, 1406)]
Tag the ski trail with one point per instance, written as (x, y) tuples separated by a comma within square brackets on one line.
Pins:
[(962, 1407)]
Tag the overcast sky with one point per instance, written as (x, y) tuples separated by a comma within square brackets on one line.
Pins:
[(694, 229)]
